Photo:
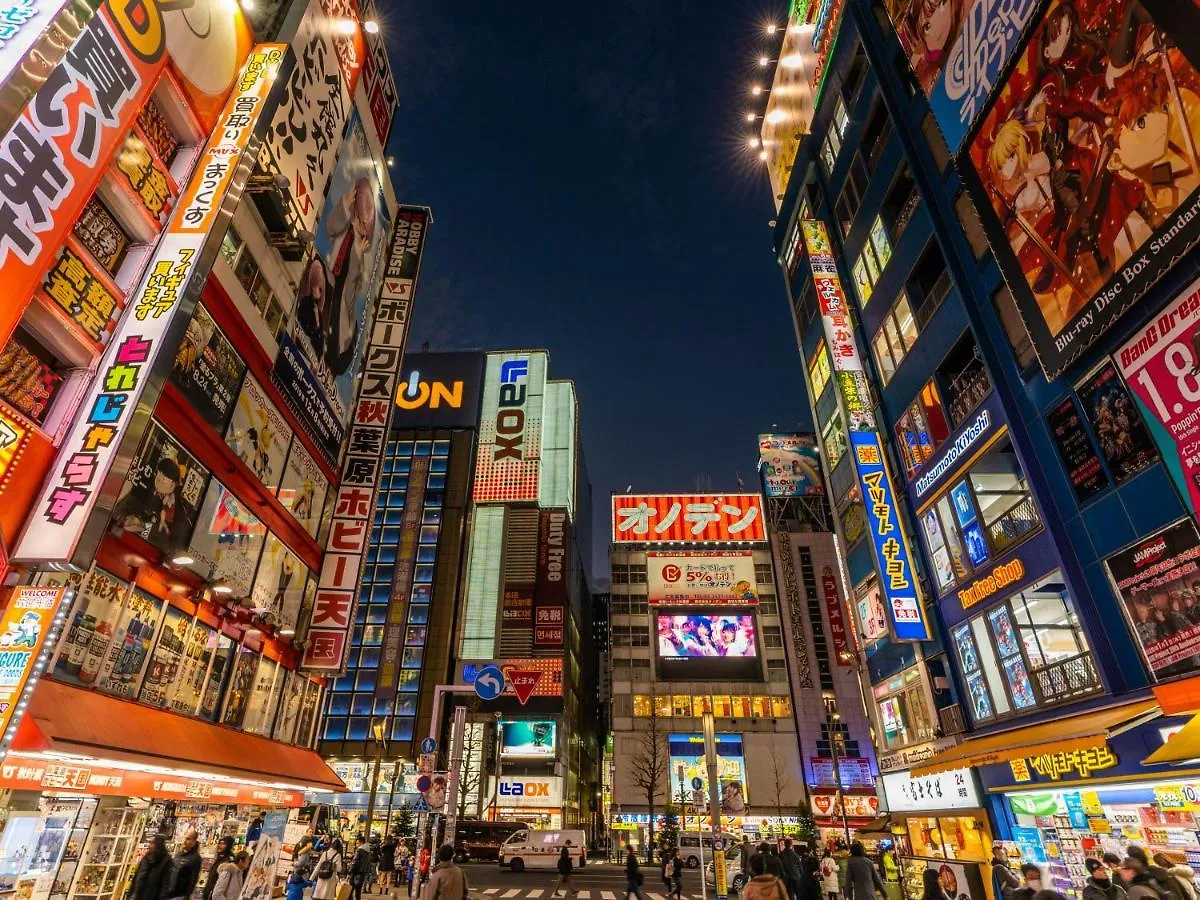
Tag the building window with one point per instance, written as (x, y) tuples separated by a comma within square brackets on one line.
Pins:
[(964, 378), (904, 715), (637, 574), (921, 428), (791, 250), (876, 251), (772, 637), (833, 436), (929, 283), (875, 135), (620, 574), (819, 371), (763, 573), (250, 277), (935, 142), (662, 706), (985, 513), (1014, 328), (683, 705), (1026, 652), (900, 202), (833, 137), (895, 337), (641, 705), (855, 74)]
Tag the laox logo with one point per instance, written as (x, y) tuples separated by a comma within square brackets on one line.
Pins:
[(510, 416), (415, 393), (524, 789)]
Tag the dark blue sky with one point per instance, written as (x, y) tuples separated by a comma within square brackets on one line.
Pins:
[(592, 195)]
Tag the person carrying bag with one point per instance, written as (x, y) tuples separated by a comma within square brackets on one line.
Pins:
[(331, 865)]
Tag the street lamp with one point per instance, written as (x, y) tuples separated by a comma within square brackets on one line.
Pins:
[(378, 730), (835, 739)]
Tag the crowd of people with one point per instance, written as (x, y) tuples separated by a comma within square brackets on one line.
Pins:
[(1136, 876)]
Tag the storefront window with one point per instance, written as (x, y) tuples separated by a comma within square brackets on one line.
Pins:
[(946, 837), (834, 437), (1028, 651), (683, 705), (701, 705), (780, 707), (241, 685), (922, 428), (641, 705), (761, 706), (263, 699), (741, 706), (904, 714), (662, 706), (1005, 503), (722, 708), (129, 650), (166, 662)]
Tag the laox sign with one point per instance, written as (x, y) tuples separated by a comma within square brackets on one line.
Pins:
[(510, 417), (524, 789)]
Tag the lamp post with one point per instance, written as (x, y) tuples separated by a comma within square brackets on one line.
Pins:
[(835, 739), (378, 730)]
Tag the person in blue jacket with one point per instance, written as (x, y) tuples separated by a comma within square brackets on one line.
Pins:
[(296, 884)]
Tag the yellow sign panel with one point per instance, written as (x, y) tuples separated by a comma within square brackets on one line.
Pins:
[(1081, 762)]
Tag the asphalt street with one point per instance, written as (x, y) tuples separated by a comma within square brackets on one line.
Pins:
[(596, 881)]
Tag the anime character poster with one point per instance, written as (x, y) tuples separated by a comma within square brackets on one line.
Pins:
[(227, 540), (279, 583), (303, 488), (160, 498), (957, 50), (1088, 162), (207, 369), (1113, 414), (259, 434)]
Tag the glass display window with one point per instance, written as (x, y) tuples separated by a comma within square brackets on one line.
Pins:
[(128, 652), (167, 660), (268, 686), (241, 686)]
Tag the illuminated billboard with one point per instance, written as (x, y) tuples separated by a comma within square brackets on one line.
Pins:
[(439, 390), (715, 577), (790, 106), (510, 427), (527, 740), (680, 518), (687, 750), (790, 465), (691, 636)]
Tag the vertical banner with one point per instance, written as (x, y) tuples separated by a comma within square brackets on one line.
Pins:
[(377, 78), (892, 553), (550, 589), (1160, 363), (332, 615), (406, 562), (166, 290), (29, 620), (837, 619)]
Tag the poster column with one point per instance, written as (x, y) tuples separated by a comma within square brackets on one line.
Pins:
[(897, 579), (332, 615)]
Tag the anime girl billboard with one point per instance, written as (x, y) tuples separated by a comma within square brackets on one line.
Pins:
[(1088, 158)]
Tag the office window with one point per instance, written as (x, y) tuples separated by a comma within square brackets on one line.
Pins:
[(875, 253), (921, 428), (929, 283), (833, 437), (701, 705), (895, 337), (875, 135), (763, 573), (819, 370), (900, 202), (964, 379), (1005, 503), (620, 574), (791, 249), (641, 705), (772, 637), (721, 706)]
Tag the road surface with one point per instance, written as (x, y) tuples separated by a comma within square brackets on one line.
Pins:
[(596, 881)]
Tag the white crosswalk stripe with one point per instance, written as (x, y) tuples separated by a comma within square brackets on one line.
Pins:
[(609, 895), (537, 893), (511, 893), (495, 890), (585, 895)]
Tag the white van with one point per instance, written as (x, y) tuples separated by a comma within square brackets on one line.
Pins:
[(537, 849), (689, 847)]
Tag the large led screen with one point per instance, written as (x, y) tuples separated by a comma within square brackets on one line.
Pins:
[(706, 636), (525, 740), (687, 750)]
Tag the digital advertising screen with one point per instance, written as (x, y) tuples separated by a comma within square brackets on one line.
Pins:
[(707, 644), (527, 740), (687, 750)]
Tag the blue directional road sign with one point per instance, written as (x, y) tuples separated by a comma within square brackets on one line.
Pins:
[(429, 745), (697, 782), (489, 682)]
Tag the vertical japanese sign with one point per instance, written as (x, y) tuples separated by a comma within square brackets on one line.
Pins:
[(837, 619), (337, 589), (28, 623), (1160, 363), (550, 589), (307, 129), (406, 561), (510, 427), (87, 454), (892, 554), (22, 22), (55, 153), (377, 78)]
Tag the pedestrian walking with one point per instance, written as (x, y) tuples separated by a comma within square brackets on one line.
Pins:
[(746, 852), (829, 875), (230, 877), (793, 868), (298, 882), (931, 886), (330, 867), (185, 868), (771, 861), (764, 885), (1161, 877), (1139, 883), (224, 855), (361, 869), (1112, 862), (1004, 879), (448, 881), (564, 872), (153, 872), (254, 832), (862, 878), (387, 863), (1100, 884), (633, 874), (1031, 877), (810, 879)]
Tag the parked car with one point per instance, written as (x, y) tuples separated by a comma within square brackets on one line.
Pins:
[(689, 848), (735, 879)]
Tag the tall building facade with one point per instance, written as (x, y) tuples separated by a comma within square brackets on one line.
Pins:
[(696, 628), (202, 252), (995, 378)]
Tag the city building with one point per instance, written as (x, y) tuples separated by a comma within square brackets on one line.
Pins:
[(696, 628), (1003, 426), (478, 556), (187, 310), (824, 658)]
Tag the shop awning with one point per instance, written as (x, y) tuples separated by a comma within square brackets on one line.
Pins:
[(1068, 733), (68, 720), (1181, 746)]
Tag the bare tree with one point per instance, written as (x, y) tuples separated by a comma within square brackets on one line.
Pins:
[(779, 775), (470, 775), (650, 765)]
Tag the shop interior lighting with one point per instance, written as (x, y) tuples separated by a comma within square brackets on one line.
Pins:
[(222, 589), (750, 117), (248, 5), (347, 26), (182, 560), (753, 143), (371, 26), (762, 155)]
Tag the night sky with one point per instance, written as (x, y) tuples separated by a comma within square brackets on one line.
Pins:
[(592, 194)]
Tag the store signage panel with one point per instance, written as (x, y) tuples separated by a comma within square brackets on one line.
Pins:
[(1147, 576), (954, 789), (716, 577), (977, 432), (333, 607), (1159, 363), (855, 771), (906, 758), (28, 620), (790, 465), (510, 427), (834, 610), (391, 647), (891, 545), (523, 739), (681, 518), (89, 449), (377, 78), (1002, 576), (1059, 764), (528, 790), (1073, 278), (19, 772), (440, 390), (550, 596), (857, 806)]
